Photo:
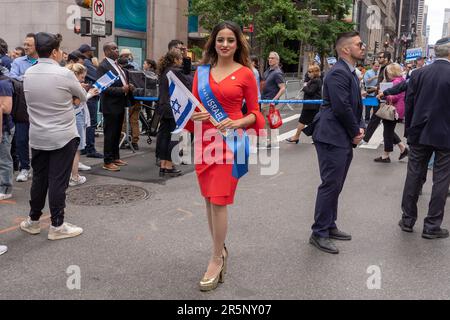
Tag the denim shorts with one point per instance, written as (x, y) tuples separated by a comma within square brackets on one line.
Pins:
[(81, 128)]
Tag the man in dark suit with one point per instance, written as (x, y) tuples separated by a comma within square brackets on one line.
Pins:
[(427, 127), (338, 126), (113, 102)]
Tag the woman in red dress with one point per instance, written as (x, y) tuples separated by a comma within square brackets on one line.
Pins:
[(231, 80)]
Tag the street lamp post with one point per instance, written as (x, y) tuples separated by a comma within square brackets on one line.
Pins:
[(399, 28)]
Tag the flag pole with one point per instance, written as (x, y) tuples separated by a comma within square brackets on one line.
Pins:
[(211, 119)]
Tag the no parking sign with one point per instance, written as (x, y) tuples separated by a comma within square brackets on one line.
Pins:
[(98, 18), (98, 12)]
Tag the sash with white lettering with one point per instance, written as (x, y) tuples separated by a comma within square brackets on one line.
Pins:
[(238, 143)]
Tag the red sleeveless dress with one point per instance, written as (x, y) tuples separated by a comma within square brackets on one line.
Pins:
[(213, 159)]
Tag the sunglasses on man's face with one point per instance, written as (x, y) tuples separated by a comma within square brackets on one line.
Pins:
[(361, 44)]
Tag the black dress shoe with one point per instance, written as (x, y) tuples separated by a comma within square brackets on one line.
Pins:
[(96, 155), (174, 172), (323, 244), (339, 235), (404, 227), (435, 234), (404, 154), (170, 172), (380, 159)]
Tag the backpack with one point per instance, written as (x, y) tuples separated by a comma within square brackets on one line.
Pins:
[(19, 108)]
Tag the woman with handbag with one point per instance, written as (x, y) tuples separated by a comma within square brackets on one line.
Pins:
[(391, 113), (312, 91)]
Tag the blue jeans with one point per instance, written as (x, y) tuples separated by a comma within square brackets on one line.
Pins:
[(90, 131), (6, 163), (22, 144)]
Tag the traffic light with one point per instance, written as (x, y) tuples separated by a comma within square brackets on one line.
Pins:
[(376, 45), (82, 26), (109, 27), (84, 3)]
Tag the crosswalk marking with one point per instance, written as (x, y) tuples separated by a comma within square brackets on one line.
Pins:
[(288, 119), (374, 143), (286, 135)]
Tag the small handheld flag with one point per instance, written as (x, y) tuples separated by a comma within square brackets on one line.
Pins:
[(105, 81), (182, 102)]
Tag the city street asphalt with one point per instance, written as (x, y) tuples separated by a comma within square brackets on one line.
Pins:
[(158, 248)]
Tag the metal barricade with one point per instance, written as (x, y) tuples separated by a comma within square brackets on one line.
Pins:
[(293, 92)]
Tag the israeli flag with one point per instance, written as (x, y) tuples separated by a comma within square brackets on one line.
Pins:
[(182, 102), (317, 58), (105, 81)]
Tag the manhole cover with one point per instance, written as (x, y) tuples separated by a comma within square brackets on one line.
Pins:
[(106, 195)]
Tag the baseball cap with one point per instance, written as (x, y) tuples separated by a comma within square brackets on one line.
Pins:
[(75, 55), (85, 48)]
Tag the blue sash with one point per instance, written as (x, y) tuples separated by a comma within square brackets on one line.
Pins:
[(237, 143)]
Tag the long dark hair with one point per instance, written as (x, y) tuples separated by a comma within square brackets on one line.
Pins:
[(242, 54), (168, 60)]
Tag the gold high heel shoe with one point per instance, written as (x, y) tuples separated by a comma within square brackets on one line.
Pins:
[(208, 284), (225, 258)]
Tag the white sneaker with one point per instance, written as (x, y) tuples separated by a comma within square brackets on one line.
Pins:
[(23, 175), (76, 181), (32, 227), (3, 249), (66, 230), (83, 167), (4, 196)]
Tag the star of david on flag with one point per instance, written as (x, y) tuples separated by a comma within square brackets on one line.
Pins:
[(182, 102), (176, 107)]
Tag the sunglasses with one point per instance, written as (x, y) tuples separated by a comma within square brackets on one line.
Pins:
[(361, 45)]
